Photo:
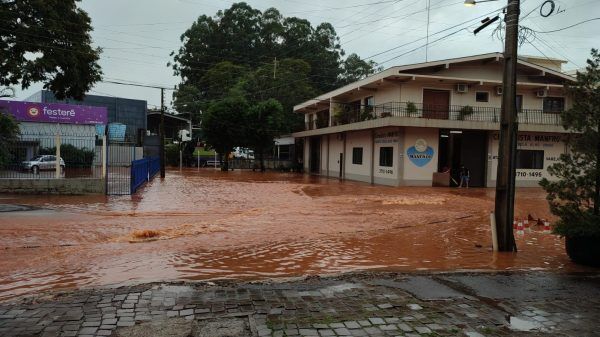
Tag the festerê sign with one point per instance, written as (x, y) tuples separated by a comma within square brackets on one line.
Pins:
[(55, 112)]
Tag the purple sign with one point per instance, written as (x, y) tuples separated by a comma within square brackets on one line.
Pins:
[(55, 112)]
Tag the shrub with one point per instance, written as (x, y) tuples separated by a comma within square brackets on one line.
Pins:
[(172, 154), (464, 112), (411, 108), (73, 156), (575, 196)]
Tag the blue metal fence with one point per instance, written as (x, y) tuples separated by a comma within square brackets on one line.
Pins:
[(143, 170)]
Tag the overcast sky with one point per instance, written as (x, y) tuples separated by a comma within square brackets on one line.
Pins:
[(137, 36)]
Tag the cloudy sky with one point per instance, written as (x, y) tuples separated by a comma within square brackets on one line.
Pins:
[(138, 36)]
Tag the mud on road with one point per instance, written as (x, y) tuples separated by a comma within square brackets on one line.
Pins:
[(249, 225)]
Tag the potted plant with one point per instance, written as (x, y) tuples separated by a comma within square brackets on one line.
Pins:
[(575, 197), (464, 112), (338, 113), (411, 109)]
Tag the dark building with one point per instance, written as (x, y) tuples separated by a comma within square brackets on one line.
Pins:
[(130, 112)]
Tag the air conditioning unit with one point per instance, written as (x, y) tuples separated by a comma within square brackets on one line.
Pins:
[(462, 88), (541, 93), (499, 90)]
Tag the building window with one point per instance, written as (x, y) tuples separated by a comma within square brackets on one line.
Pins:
[(386, 156), (554, 104), (482, 96), (530, 159), (357, 153)]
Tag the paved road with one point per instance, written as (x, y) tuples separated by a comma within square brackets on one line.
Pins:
[(451, 304)]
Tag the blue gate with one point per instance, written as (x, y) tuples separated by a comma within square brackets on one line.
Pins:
[(143, 170)]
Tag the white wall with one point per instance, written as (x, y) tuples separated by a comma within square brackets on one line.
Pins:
[(552, 144), (420, 163), (336, 147), (387, 137), (361, 139)]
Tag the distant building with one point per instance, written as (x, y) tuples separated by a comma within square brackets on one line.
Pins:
[(40, 123), (129, 112)]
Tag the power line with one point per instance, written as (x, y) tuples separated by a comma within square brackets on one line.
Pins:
[(564, 28)]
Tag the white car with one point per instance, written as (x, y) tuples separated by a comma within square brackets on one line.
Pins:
[(42, 163)]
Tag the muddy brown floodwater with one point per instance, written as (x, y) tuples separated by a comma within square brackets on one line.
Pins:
[(250, 225)]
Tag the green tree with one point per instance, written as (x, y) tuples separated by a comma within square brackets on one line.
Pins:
[(356, 69), (48, 41), (224, 124), (575, 197), (264, 123), (9, 133), (288, 84), (252, 39)]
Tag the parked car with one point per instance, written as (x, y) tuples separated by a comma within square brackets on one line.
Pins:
[(42, 163)]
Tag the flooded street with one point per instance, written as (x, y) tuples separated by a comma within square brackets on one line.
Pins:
[(209, 225)]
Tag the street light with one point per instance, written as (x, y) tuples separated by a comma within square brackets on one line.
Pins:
[(471, 3)]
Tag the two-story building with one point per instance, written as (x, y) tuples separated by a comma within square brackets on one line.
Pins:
[(406, 124)]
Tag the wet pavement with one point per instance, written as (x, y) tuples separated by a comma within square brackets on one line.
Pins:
[(383, 304), (248, 225)]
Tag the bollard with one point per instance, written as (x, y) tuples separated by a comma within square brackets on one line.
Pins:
[(520, 230), (546, 226)]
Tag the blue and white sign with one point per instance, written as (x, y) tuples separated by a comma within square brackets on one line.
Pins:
[(420, 154), (116, 131)]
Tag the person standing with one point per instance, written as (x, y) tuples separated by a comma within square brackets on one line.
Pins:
[(465, 176)]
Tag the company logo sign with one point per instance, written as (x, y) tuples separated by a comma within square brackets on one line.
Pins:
[(33, 111), (55, 112), (420, 154)]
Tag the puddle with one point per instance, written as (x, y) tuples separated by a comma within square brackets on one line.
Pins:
[(521, 324)]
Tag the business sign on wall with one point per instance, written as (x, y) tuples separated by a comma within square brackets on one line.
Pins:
[(420, 154), (55, 112), (550, 145)]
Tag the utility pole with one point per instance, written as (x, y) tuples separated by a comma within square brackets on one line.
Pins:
[(162, 133), (275, 67), (505, 180)]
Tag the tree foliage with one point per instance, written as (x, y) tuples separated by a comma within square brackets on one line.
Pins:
[(264, 122), (247, 43), (243, 70), (575, 197), (224, 125), (48, 41), (9, 132)]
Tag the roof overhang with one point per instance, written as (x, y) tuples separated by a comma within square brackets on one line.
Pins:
[(401, 73)]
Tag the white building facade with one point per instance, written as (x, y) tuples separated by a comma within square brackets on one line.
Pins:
[(415, 125)]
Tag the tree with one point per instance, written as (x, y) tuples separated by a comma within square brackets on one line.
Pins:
[(9, 132), (246, 37), (356, 69), (575, 197), (224, 126), (48, 41), (288, 84), (264, 123)]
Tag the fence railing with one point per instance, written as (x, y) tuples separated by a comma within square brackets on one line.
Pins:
[(51, 157), (142, 171), (347, 113)]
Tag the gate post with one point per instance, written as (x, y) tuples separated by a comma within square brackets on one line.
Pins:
[(103, 156), (57, 155)]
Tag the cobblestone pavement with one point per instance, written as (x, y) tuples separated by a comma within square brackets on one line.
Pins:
[(457, 304)]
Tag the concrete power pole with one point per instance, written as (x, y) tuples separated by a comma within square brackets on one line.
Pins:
[(162, 133), (505, 181)]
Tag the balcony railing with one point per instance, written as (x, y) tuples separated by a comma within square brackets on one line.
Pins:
[(347, 114)]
